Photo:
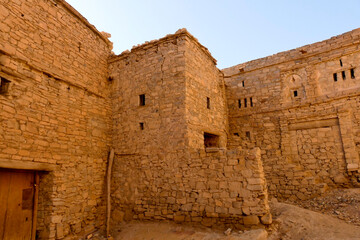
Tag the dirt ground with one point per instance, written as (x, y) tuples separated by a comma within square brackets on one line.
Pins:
[(336, 218)]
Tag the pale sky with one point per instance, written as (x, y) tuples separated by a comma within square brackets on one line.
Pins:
[(234, 31)]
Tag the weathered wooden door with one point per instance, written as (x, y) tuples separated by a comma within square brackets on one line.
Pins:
[(17, 190)]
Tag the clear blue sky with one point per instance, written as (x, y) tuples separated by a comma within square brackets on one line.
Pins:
[(234, 31)]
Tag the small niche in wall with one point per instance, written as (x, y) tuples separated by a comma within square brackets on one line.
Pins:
[(208, 102), (343, 74), (4, 85), (245, 102), (141, 125), (335, 77), (211, 140), (295, 92), (247, 134), (239, 103), (352, 73), (142, 100), (251, 102)]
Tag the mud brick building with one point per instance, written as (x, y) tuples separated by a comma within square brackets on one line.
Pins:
[(192, 143)]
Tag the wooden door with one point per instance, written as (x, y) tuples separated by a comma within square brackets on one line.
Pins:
[(17, 191)]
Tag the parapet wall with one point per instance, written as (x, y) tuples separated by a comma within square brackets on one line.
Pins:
[(55, 112), (302, 110)]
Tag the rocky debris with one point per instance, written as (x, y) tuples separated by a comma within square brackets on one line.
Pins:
[(343, 204), (294, 223), (227, 232)]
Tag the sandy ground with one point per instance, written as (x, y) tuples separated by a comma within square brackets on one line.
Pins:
[(295, 223)]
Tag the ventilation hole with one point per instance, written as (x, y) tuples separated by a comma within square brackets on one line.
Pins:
[(247, 134), (4, 85), (251, 102), (141, 126), (239, 103), (295, 93), (245, 102), (208, 102), (142, 100), (243, 83), (352, 73), (335, 77), (341, 64), (343, 74)]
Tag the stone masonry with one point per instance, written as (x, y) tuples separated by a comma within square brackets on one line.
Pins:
[(303, 113), (192, 143)]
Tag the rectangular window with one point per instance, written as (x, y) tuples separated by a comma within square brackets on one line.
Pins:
[(295, 93), (245, 102), (335, 77), (243, 83), (352, 73), (239, 103), (142, 100), (208, 103), (343, 74), (141, 126), (211, 140), (4, 85)]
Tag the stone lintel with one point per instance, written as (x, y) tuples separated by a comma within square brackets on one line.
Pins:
[(27, 165)]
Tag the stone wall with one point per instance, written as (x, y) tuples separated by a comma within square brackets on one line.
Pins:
[(302, 113), (56, 110), (162, 169)]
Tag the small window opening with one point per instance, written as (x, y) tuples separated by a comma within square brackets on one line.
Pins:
[(141, 126), (335, 77), (211, 140), (241, 70), (208, 102), (352, 73), (295, 93), (142, 100), (247, 135), (236, 134), (4, 85), (245, 102), (251, 102), (341, 64), (343, 74), (243, 83), (239, 102)]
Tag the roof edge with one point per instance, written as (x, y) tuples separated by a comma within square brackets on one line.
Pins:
[(305, 51), (78, 15), (180, 32)]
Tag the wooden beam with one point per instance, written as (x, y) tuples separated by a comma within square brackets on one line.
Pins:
[(36, 195), (27, 165)]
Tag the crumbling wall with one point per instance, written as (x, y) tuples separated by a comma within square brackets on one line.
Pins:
[(56, 110), (302, 111), (162, 170)]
